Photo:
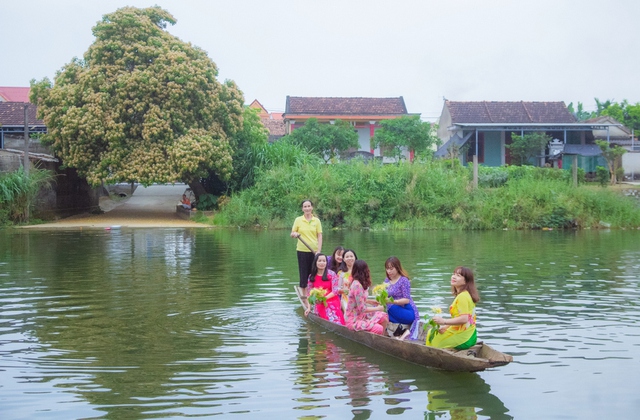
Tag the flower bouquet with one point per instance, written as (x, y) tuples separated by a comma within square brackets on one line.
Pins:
[(381, 295), (317, 295), (431, 324)]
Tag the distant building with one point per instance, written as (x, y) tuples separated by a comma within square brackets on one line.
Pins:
[(14, 94), (364, 114), (484, 128), (272, 121), (12, 126)]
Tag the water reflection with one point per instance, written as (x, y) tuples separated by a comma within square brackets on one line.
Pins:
[(174, 323), (331, 367)]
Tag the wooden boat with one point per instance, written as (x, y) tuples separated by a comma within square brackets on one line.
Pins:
[(477, 358)]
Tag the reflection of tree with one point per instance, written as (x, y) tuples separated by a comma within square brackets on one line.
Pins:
[(124, 312)]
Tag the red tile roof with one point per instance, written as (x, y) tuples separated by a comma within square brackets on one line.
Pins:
[(14, 94), (297, 105), (486, 112), (12, 114), (275, 127)]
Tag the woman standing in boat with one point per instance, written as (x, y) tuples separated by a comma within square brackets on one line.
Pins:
[(309, 229), (359, 316), (403, 310), (459, 331), (323, 278), (349, 257)]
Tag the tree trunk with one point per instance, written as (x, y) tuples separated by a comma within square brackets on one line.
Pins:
[(197, 188)]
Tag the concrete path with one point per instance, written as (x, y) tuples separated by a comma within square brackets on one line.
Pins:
[(153, 206)]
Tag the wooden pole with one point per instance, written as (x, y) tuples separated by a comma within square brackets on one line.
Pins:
[(574, 170), (25, 161), (475, 171)]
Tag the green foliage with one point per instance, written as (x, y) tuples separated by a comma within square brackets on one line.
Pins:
[(613, 156), (207, 202), (602, 176), (142, 105), (623, 112), (425, 196), (18, 192), (253, 136), (580, 113), (325, 140), (492, 177), (408, 133), (524, 148)]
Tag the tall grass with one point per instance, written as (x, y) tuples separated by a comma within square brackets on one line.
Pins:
[(432, 195), (18, 192)]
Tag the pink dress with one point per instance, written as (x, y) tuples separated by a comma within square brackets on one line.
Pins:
[(332, 312), (355, 316)]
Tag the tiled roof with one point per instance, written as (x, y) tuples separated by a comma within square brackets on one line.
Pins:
[(12, 113), (275, 127), (298, 105), (486, 112), (14, 94)]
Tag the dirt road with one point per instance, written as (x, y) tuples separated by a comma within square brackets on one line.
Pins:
[(153, 206)]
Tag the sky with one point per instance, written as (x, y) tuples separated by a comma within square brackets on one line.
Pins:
[(422, 50)]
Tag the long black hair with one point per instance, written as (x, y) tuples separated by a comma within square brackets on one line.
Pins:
[(314, 269), (343, 265), (362, 273), (334, 264)]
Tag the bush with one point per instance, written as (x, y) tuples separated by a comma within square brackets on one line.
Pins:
[(602, 176), (18, 191), (424, 196)]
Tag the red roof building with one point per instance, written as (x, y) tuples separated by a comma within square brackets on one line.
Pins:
[(14, 94), (364, 114), (272, 121)]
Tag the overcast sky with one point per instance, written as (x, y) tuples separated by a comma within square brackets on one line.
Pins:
[(423, 50)]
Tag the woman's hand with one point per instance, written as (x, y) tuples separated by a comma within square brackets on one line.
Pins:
[(438, 320), (295, 235), (306, 311)]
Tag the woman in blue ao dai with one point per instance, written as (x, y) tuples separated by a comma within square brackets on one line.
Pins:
[(403, 310)]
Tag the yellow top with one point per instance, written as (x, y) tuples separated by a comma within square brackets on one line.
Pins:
[(308, 230)]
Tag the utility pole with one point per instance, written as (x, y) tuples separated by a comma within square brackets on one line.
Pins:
[(25, 161)]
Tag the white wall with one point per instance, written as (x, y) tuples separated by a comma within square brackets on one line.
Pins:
[(631, 163)]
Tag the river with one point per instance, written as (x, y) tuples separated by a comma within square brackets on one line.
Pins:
[(173, 323)]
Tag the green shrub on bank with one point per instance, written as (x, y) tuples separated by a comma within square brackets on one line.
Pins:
[(18, 191), (432, 195)]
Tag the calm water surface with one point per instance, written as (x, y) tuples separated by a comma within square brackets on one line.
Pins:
[(173, 323)]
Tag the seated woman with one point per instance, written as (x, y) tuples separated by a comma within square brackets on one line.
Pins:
[(403, 310), (186, 203), (359, 316), (349, 257), (459, 331), (323, 278)]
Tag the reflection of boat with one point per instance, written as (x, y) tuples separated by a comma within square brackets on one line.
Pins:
[(477, 358)]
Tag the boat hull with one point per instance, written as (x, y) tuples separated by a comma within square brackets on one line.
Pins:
[(477, 358)]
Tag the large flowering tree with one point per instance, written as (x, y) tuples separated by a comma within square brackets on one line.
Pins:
[(141, 106)]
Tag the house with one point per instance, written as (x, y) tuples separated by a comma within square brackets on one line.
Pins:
[(364, 114), (12, 126), (484, 128), (272, 121), (618, 133), (14, 94)]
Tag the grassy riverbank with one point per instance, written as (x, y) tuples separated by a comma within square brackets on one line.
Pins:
[(435, 195)]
